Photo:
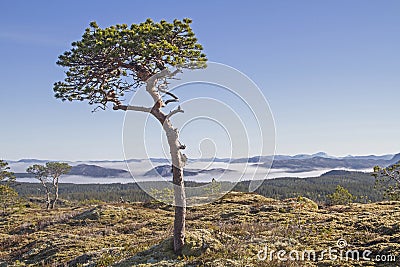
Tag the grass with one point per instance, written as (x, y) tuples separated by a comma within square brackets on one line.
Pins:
[(228, 232)]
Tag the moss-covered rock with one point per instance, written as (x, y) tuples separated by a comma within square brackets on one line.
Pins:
[(91, 214), (199, 241)]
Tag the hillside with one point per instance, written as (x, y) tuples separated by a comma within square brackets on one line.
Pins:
[(165, 171), (89, 170), (296, 165), (97, 171), (314, 163), (359, 184), (229, 232)]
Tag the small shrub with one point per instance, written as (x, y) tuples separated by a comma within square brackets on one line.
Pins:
[(388, 180), (341, 196), (165, 195), (8, 198)]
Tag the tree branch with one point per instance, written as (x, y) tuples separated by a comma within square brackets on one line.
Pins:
[(151, 85), (175, 72), (170, 94), (96, 108), (394, 174), (171, 100), (162, 88), (134, 108), (163, 74), (175, 111)]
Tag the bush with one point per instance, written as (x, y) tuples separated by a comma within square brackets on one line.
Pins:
[(8, 198), (341, 196), (388, 179)]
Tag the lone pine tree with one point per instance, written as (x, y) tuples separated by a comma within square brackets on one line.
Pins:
[(40, 173), (107, 63)]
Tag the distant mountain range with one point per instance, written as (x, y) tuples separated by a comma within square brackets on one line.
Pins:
[(291, 164), (165, 171), (315, 163), (90, 171), (97, 171)]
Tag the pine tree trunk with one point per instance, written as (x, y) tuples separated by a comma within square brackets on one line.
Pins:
[(178, 161), (180, 210)]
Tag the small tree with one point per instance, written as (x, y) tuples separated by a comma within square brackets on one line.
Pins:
[(165, 195), (40, 173), (5, 174), (341, 196), (107, 63), (214, 187), (53, 171), (389, 179), (8, 196)]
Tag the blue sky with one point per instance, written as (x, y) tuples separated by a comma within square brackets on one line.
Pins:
[(329, 69)]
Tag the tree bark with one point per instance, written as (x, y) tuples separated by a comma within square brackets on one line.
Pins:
[(178, 162), (179, 189), (47, 194), (55, 184), (180, 210)]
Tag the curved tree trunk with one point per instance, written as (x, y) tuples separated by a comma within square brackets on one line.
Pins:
[(178, 159), (178, 162)]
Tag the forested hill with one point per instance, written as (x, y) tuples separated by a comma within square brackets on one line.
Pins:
[(161, 166), (97, 171), (316, 188), (90, 171)]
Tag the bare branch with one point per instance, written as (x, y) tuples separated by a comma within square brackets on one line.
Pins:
[(394, 174), (172, 74), (175, 111), (162, 74), (163, 88), (171, 100), (134, 108), (101, 107), (171, 95), (181, 146)]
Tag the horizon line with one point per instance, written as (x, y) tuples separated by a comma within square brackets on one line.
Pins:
[(122, 160)]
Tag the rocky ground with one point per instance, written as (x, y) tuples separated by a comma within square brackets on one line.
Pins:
[(241, 229)]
